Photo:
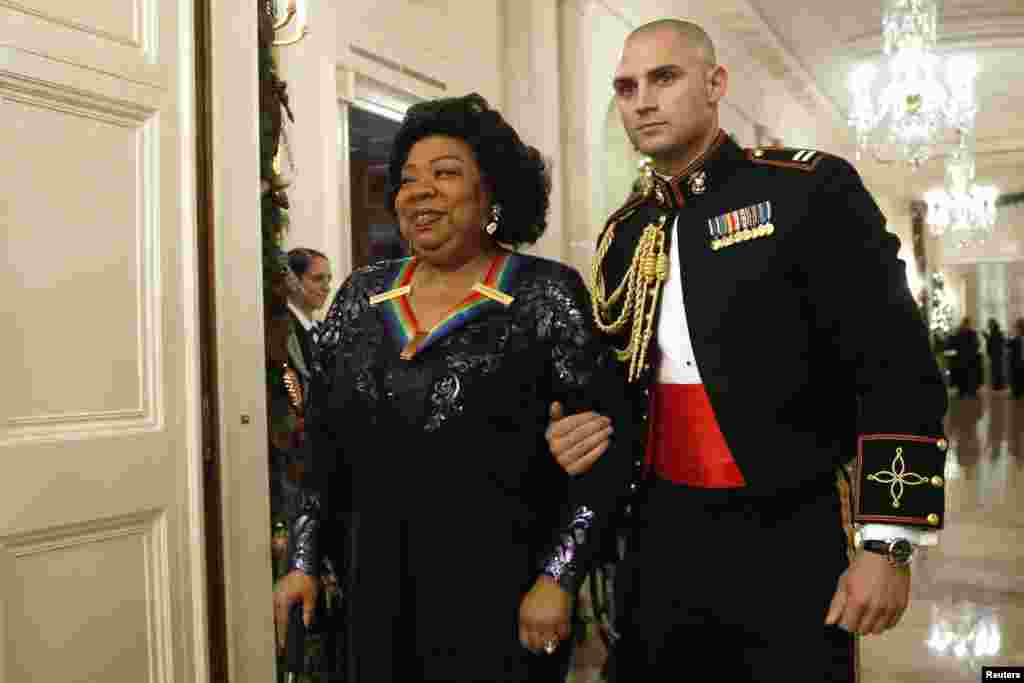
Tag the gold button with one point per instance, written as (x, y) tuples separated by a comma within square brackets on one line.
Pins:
[(942, 444), (937, 482), (933, 519), (759, 153)]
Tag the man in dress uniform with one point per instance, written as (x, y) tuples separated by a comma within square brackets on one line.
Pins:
[(786, 393)]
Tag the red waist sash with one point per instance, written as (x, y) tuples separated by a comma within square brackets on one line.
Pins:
[(685, 444)]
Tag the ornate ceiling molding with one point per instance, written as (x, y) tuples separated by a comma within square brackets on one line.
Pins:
[(957, 33), (746, 27), (743, 29)]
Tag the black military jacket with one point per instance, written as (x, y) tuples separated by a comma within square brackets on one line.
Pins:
[(810, 345)]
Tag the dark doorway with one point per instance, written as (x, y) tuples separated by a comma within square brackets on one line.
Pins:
[(375, 233)]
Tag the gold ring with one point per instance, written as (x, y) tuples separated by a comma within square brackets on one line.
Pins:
[(549, 646)]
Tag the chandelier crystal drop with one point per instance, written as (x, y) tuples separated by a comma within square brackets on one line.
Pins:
[(964, 211), (912, 111)]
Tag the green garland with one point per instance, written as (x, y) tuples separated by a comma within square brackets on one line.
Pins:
[(276, 278), (1010, 199), (274, 220)]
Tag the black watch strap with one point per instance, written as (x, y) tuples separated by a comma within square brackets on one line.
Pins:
[(898, 551), (880, 547)]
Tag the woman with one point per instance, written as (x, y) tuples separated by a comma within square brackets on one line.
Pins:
[(313, 271), (466, 540), (307, 294)]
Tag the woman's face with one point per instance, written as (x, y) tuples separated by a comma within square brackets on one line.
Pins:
[(316, 284), (442, 203)]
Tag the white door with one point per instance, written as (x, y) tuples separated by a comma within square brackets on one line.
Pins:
[(101, 573)]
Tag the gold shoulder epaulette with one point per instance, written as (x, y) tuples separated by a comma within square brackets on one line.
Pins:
[(786, 157)]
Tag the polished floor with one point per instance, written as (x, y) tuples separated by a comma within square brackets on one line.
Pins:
[(967, 602)]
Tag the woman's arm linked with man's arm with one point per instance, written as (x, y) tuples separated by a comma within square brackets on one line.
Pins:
[(583, 377)]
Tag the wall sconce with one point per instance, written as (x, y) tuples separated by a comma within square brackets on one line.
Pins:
[(286, 13)]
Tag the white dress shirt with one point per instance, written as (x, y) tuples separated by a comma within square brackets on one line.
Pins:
[(304, 320)]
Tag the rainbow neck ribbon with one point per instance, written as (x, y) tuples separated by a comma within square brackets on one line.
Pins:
[(401, 321)]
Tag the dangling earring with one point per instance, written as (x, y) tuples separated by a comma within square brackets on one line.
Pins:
[(492, 227)]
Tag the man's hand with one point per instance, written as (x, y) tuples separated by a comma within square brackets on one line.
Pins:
[(871, 595), (579, 440)]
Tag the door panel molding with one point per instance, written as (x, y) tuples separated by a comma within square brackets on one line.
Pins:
[(140, 30), (131, 551), (101, 516)]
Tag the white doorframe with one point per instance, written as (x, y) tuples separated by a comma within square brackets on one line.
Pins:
[(240, 342), (240, 338)]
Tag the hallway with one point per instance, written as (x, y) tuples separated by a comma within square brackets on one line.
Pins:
[(967, 607)]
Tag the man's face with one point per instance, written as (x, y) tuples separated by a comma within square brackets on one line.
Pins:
[(665, 93)]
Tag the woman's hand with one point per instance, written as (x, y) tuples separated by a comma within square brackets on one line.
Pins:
[(293, 587), (544, 616)]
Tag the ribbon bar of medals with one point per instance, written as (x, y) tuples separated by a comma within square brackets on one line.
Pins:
[(741, 225)]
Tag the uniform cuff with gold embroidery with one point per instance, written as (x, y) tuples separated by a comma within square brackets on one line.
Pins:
[(900, 480)]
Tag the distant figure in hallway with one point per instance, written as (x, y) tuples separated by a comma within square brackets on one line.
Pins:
[(995, 347), (1016, 354), (965, 367), (313, 271)]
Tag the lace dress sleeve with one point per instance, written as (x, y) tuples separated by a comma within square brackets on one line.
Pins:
[(583, 377)]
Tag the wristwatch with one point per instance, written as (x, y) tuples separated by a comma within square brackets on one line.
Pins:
[(898, 551)]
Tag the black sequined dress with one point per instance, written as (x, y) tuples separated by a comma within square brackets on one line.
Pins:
[(434, 478)]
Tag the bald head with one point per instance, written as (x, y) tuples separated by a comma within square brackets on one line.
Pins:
[(667, 87), (688, 32)]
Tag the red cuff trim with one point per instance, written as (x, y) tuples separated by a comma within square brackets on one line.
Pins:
[(895, 437)]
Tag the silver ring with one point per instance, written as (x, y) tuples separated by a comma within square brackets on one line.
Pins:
[(549, 646)]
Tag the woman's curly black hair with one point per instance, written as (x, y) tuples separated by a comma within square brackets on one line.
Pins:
[(515, 173)]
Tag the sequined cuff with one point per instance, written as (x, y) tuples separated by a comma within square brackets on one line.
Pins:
[(562, 563), (303, 537)]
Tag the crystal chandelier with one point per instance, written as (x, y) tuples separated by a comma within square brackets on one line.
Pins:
[(915, 107), (967, 212)]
